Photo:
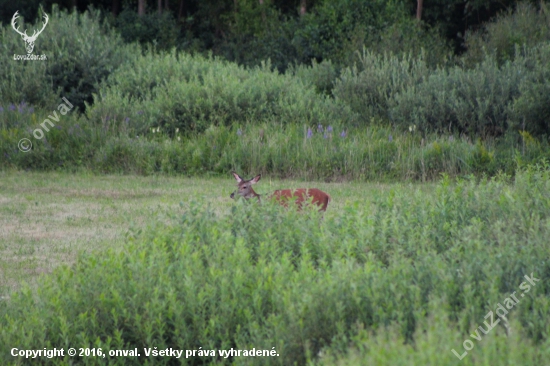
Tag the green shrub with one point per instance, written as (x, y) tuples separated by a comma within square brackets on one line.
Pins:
[(523, 26), (261, 276), (408, 37), (70, 144), (80, 51), (336, 29), (368, 87), (191, 92), (530, 111), (321, 75), (474, 102), (160, 30), (486, 100)]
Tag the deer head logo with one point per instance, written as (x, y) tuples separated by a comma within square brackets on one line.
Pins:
[(29, 40)]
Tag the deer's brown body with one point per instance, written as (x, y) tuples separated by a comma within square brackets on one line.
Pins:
[(282, 196)]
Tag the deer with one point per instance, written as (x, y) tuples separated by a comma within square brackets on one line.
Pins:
[(282, 196), (29, 40)]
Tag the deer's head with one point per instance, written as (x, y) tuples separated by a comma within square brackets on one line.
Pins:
[(244, 187)]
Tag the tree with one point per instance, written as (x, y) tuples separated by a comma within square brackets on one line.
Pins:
[(141, 7), (419, 9)]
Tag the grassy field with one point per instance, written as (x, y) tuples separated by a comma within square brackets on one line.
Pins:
[(47, 218)]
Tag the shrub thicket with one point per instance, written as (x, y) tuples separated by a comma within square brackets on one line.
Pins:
[(160, 30), (524, 26), (319, 152), (191, 92), (369, 86), (197, 98), (81, 51), (486, 100), (261, 277)]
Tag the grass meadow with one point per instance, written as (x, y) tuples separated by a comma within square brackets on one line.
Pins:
[(393, 274), (46, 219)]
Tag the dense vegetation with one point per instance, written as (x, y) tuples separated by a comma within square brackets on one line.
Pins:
[(296, 31), (404, 115), (343, 90), (408, 269)]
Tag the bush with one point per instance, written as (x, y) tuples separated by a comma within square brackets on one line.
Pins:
[(192, 92), (474, 102), (368, 87), (486, 100), (411, 38), (531, 110), (70, 144), (81, 52), (335, 29), (160, 30), (523, 26), (260, 276), (321, 75)]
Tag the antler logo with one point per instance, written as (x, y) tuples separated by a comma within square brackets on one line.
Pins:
[(29, 41)]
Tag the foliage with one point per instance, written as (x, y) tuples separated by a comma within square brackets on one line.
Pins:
[(486, 100), (335, 29), (369, 86), (408, 37), (330, 152), (192, 92), (264, 277), (531, 110), (468, 101), (321, 75), (80, 53), (524, 26), (153, 28)]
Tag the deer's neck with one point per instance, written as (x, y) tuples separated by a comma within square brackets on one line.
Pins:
[(253, 194)]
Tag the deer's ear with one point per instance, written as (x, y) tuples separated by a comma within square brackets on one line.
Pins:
[(256, 179), (237, 177)]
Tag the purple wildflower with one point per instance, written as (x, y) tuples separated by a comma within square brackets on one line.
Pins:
[(58, 127), (343, 134), (320, 128), (31, 110), (309, 133), (329, 128), (140, 112), (239, 132), (325, 135), (1, 109), (11, 107), (390, 139), (126, 120)]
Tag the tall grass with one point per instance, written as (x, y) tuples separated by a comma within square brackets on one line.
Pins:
[(314, 152)]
